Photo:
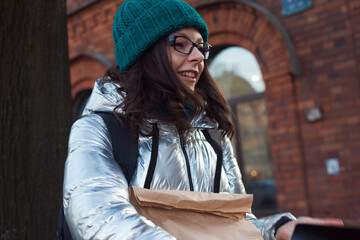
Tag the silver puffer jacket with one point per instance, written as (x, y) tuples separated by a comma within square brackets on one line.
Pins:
[(95, 193)]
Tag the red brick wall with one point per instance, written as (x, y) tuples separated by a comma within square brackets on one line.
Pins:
[(90, 31), (85, 70), (327, 41)]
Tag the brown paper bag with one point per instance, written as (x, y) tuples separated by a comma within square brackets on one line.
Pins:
[(196, 215)]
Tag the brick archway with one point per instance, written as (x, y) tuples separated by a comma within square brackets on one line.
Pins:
[(238, 24), (85, 69)]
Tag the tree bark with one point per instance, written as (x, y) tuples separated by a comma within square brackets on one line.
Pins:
[(35, 116)]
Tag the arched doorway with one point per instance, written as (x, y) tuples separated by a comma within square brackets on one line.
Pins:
[(249, 25), (84, 70)]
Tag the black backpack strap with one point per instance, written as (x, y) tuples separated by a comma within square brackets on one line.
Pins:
[(154, 154), (124, 144), (125, 150), (217, 148), (125, 147)]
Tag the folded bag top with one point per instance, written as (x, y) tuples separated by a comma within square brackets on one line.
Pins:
[(226, 205)]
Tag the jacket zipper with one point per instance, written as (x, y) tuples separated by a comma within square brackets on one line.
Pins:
[(182, 143)]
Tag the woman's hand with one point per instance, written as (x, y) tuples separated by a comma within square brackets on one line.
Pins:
[(285, 231)]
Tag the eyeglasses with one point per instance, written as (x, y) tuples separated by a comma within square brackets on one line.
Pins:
[(185, 45)]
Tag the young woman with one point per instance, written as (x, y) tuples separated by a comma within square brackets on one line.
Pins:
[(161, 80)]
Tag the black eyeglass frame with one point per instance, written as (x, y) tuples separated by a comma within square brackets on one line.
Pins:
[(204, 50)]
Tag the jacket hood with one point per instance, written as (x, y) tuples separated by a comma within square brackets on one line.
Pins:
[(105, 97)]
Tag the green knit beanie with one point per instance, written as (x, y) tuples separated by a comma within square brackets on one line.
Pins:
[(139, 24)]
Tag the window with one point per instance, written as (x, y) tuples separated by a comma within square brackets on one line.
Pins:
[(239, 76)]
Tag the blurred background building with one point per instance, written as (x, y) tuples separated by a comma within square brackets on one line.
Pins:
[(290, 70)]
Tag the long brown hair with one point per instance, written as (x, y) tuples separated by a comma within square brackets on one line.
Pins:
[(151, 89)]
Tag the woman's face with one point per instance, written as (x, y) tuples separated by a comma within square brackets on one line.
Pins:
[(188, 67)]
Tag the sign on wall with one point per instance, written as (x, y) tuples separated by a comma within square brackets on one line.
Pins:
[(294, 6)]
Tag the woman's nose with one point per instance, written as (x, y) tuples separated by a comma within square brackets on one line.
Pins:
[(196, 55)]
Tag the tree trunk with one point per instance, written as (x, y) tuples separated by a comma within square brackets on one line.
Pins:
[(35, 116)]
